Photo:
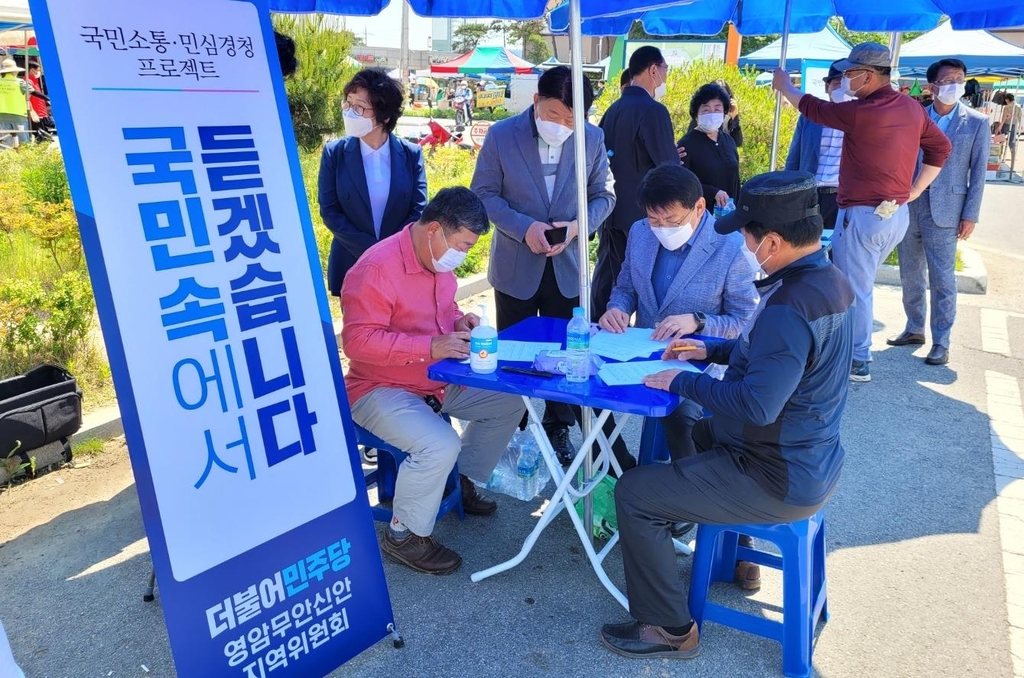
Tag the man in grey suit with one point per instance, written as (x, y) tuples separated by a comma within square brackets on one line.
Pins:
[(526, 176), (947, 211), (680, 277)]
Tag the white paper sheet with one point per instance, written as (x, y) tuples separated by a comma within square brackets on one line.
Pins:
[(635, 342), (625, 374), (523, 351)]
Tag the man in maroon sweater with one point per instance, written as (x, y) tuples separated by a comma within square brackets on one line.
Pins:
[(884, 132)]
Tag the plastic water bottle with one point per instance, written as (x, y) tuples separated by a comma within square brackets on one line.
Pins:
[(483, 345), (720, 211), (527, 469), (577, 345)]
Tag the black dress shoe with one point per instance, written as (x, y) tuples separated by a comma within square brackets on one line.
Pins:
[(472, 502), (644, 641), (906, 339), (939, 355), (559, 438)]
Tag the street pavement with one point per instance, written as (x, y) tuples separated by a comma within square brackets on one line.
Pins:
[(916, 577)]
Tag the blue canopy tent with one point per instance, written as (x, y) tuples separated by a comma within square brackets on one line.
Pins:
[(697, 17), (984, 53), (826, 45)]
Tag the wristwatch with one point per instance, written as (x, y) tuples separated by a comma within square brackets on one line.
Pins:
[(701, 321)]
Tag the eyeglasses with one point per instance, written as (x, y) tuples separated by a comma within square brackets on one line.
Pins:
[(359, 110), (949, 81), (853, 71), (654, 223)]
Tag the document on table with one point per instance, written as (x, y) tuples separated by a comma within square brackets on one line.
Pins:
[(627, 374), (523, 351), (635, 342)]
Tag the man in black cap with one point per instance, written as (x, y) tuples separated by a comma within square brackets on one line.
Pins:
[(817, 149), (770, 452), (883, 133)]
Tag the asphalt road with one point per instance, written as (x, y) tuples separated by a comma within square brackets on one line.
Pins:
[(915, 570)]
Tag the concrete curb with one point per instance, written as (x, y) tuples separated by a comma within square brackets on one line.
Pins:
[(105, 423), (973, 279)]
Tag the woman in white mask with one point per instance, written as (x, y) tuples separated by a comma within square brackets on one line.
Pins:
[(710, 151), (372, 183), (680, 278)]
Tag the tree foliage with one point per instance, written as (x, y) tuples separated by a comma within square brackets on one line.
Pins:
[(466, 37), (314, 92), (527, 35)]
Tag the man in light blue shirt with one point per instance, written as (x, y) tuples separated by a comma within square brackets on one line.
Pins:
[(946, 212)]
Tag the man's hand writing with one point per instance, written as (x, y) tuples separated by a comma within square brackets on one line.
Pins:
[(686, 349), (675, 326)]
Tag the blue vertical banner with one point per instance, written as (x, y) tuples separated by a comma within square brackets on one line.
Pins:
[(176, 135)]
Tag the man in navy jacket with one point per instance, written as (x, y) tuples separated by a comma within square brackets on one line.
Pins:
[(638, 135), (770, 452)]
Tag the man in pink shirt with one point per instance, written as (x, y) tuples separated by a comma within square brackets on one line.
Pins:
[(400, 316)]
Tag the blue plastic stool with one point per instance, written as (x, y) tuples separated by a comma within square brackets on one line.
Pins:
[(384, 476), (804, 589)]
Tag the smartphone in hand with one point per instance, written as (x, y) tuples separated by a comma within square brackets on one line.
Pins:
[(556, 236)]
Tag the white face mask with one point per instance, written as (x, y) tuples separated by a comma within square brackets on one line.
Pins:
[(660, 90), (838, 96), (950, 94), (450, 260), (356, 125), (710, 122), (552, 133), (673, 237), (847, 85), (751, 258)]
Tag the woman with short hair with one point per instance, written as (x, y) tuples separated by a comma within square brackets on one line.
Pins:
[(372, 183), (710, 151)]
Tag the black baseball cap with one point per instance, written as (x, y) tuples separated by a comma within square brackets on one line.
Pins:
[(773, 199), (833, 72)]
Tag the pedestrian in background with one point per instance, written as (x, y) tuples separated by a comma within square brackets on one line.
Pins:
[(817, 149)]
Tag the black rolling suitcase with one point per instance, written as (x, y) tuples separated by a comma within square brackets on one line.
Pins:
[(39, 412)]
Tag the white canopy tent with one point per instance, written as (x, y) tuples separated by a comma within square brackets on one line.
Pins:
[(982, 52)]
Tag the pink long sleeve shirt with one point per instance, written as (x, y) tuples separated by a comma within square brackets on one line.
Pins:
[(393, 308)]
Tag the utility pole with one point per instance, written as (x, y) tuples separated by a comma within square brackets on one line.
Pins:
[(403, 62)]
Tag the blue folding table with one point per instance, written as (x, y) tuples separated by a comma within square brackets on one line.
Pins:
[(627, 400)]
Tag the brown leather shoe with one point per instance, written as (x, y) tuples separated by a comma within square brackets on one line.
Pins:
[(472, 502), (642, 641), (906, 339), (747, 575), (422, 554)]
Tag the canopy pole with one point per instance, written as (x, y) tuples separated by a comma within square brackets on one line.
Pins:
[(895, 40), (579, 119), (778, 95)]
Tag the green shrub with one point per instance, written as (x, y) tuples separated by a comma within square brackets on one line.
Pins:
[(45, 324), (756, 107), (39, 170)]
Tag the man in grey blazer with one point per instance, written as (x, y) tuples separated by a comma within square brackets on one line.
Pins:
[(680, 277), (526, 176), (947, 211)]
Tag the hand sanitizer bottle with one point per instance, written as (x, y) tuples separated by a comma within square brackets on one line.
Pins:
[(483, 345)]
